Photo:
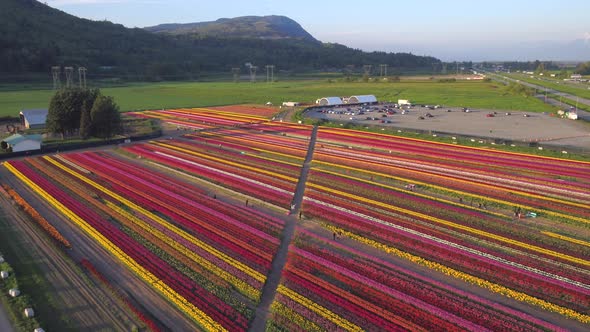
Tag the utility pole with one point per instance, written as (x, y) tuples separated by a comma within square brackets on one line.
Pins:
[(253, 73), (383, 70), (56, 73), (82, 77), (270, 73), (236, 74), (367, 69), (69, 76)]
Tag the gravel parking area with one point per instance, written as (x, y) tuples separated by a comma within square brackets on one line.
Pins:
[(508, 125)]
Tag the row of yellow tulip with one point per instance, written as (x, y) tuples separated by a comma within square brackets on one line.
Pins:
[(380, 174), (567, 238), (457, 226), (322, 311), (355, 133), (227, 162), (293, 316), (387, 206), (466, 277), (462, 193), (282, 290), (243, 267), (195, 313), (226, 114), (243, 287)]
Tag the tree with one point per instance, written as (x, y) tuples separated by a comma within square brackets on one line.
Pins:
[(105, 116), (583, 68), (540, 68), (85, 122), (65, 109)]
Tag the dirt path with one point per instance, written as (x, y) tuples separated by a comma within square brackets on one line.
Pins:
[(120, 277), (269, 290), (5, 325), (80, 303)]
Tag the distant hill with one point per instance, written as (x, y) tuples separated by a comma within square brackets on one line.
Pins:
[(34, 37), (253, 27)]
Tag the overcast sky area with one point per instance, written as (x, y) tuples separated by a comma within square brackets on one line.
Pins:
[(449, 30)]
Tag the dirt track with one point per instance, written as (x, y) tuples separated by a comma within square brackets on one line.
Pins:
[(120, 277), (5, 325), (83, 304)]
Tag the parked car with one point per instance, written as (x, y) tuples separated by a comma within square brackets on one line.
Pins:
[(490, 115)]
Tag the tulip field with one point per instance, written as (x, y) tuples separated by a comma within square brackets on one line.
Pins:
[(393, 234)]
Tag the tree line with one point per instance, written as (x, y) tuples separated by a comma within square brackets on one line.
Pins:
[(35, 37)]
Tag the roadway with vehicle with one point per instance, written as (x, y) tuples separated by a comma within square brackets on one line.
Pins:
[(547, 90)]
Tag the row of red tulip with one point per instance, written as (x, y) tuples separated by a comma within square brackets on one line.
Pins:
[(211, 305), (480, 265)]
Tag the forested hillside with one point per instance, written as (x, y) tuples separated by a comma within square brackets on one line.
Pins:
[(34, 37)]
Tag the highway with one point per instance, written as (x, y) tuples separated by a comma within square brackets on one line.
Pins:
[(581, 114)]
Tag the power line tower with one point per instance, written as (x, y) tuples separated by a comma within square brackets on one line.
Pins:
[(444, 68), (69, 76), (82, 77), (383, 70), (367, 69), (270, 73), (236, 73), (56, 73), (253, 73)]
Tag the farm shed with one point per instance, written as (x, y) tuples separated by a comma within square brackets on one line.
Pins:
[(363, 99), (330, 101), (33, 119), (19, 142)]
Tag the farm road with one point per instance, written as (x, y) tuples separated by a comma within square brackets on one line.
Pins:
[(269, 290), (4, 322), (123, 279), (73, 298)]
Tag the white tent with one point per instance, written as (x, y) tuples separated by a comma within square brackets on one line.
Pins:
[(329, 101), (29, 312), (14, 292), (3, 274), (362, 99)]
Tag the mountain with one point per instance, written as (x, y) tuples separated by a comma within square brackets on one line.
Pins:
[(34, 37), (253, 27)]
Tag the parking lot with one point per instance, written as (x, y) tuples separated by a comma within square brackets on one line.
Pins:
[(508, 125)]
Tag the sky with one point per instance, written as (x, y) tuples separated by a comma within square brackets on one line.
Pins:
[(450, 30)]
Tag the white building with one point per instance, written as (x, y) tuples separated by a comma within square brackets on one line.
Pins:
[(33, 119), (290, 103), (363, 99), (18, 142), (330, 101)]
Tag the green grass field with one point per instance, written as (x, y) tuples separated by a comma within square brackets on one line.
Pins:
[(471, 94)]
